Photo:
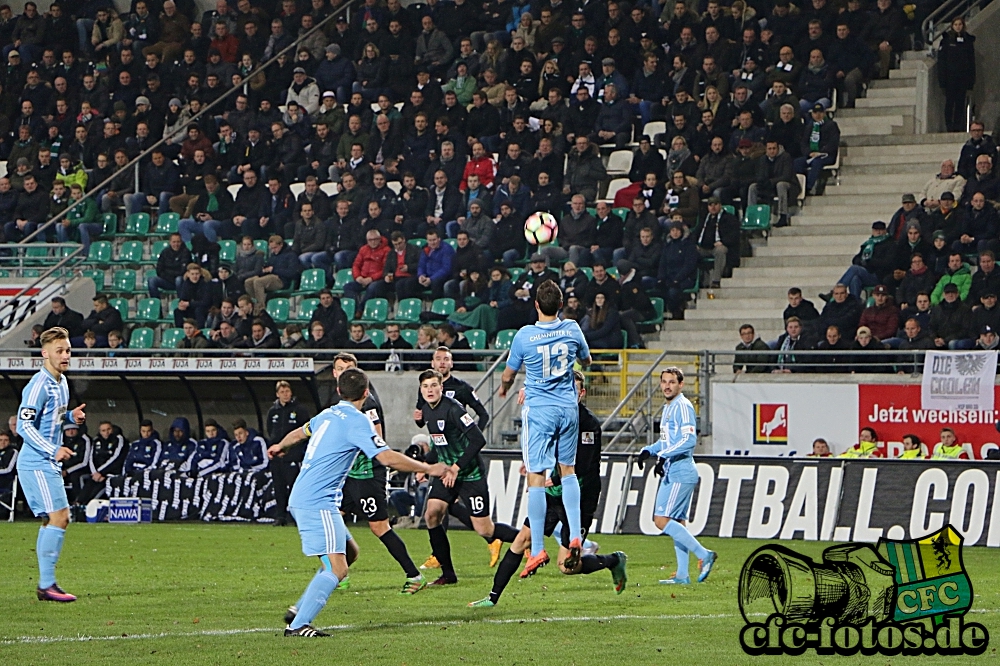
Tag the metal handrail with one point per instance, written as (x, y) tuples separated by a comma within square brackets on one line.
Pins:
[(635, 387), (225, 96), (493, 368), (931, 28), (64, 262)]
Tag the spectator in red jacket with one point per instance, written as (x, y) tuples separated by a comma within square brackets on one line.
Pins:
[(883, 317), (368, 267), (482, 165), (228, 44)]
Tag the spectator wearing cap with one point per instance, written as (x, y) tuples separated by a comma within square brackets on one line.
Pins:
[(947, 218), (873, 262), (958, 274), (980, 225), (947, 180), (718, 237), (336, 73), (677, 269), (908, 212), (820, 145), (882, 317), (950, 320), (611, 76), (986, 312), (937, 256), (304, 91), (979, 143), (775, 178), (988, 340)]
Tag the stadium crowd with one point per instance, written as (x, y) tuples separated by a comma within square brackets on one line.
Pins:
[(403, 125), (926, 280)]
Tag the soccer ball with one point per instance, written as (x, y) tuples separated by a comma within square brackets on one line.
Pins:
[(541, 228)]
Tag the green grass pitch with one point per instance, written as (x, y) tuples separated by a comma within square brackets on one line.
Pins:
[(214, 594)]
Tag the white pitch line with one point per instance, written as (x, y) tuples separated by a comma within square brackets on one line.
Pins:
[(23, 640), (26, 640)]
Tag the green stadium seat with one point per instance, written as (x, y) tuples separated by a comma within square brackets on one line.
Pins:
[(120, 304), (110, 221), (137, 225), (342, 277), (408, 311), (613, 272), (476, 338), (168, 317), (261, 245), (758, 218), (167, 223), (453, 242), (657, 319), (123, 282), (376, 311), (443, 306), (348, 305), (31, 273), (504, 339), (148, 309), (171, 337), (588, 271), (227, 250), (130, 253), (307, 306), (311, 281), (100, 253), (515, 273), (410, 335), (279, 309), (729, 209), (142, 338), (37, 252), (419, 242), (621, 212), (155, 250), (97, 276), (377, 336)]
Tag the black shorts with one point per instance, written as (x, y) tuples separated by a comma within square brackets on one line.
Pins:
[(474, 494), (366, 498), (555, 513)]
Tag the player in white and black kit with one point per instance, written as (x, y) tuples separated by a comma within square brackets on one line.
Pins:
[(366, 488), (588, 470)]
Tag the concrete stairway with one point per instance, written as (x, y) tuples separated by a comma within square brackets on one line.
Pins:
[(879, 163)]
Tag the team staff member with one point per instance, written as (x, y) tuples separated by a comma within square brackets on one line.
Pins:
[(457, 441), (284, 416), (949, 448), (107, 458), (588, 469)]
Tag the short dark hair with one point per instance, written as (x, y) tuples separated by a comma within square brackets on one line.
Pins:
[(352, 384), (448, 330), (346, 357), (240, 424), (549, 298), (913, 438), (875, 434), (675, 371), (145, 423), (746, 326), (794, 291), (430, 374)]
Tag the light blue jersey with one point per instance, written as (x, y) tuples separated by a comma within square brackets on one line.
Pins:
[(547, 351), (678, 437), (335, 437), (40, 418)]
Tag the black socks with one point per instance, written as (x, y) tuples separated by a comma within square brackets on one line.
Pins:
[(441, 548), (505, 571), (397, 549)]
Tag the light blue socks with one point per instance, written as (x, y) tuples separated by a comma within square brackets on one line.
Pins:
[(47, 548), (536, 516), (571, 502)]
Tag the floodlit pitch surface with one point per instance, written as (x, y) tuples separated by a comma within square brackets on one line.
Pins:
[(214, 594)]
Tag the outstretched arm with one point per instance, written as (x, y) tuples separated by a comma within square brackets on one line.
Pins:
[(398, 461), (289, 440)]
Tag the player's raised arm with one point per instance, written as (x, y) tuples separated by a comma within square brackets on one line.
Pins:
[(402, 463), (515, 360), (288, 441)]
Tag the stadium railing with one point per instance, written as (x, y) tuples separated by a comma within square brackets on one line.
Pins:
[(52, 279)]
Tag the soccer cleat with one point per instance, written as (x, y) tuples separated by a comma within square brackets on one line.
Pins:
[(575, 550), (431, 563), (444, 580), (706, 565), (618, 572), (290, 614), (413, 585), (482, 603), (344, 584), (674, 580), (54, 593), (306, 631), (590, 547), (535, 563), (495, 547)]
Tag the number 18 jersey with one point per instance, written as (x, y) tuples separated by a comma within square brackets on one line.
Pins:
[(548, 350)]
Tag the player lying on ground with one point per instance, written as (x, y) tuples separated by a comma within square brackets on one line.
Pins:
[(588, 466), (365, 488), (336, 436), (457, 441), (674, 451), (549, 416), (40, 419)]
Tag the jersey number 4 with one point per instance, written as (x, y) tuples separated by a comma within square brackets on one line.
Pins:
[(555, 359), (314, 440)]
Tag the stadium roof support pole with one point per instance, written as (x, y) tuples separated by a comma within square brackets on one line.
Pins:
[(135, 398), (197, 404), (256, 403), (223, 98)]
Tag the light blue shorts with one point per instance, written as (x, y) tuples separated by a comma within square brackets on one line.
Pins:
[(549, 435), (673, 500), (43, 489), (322, 531)]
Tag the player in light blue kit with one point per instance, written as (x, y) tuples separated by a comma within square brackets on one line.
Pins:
[(40, 420), (550, 416), (675, 463), (336, 435)]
